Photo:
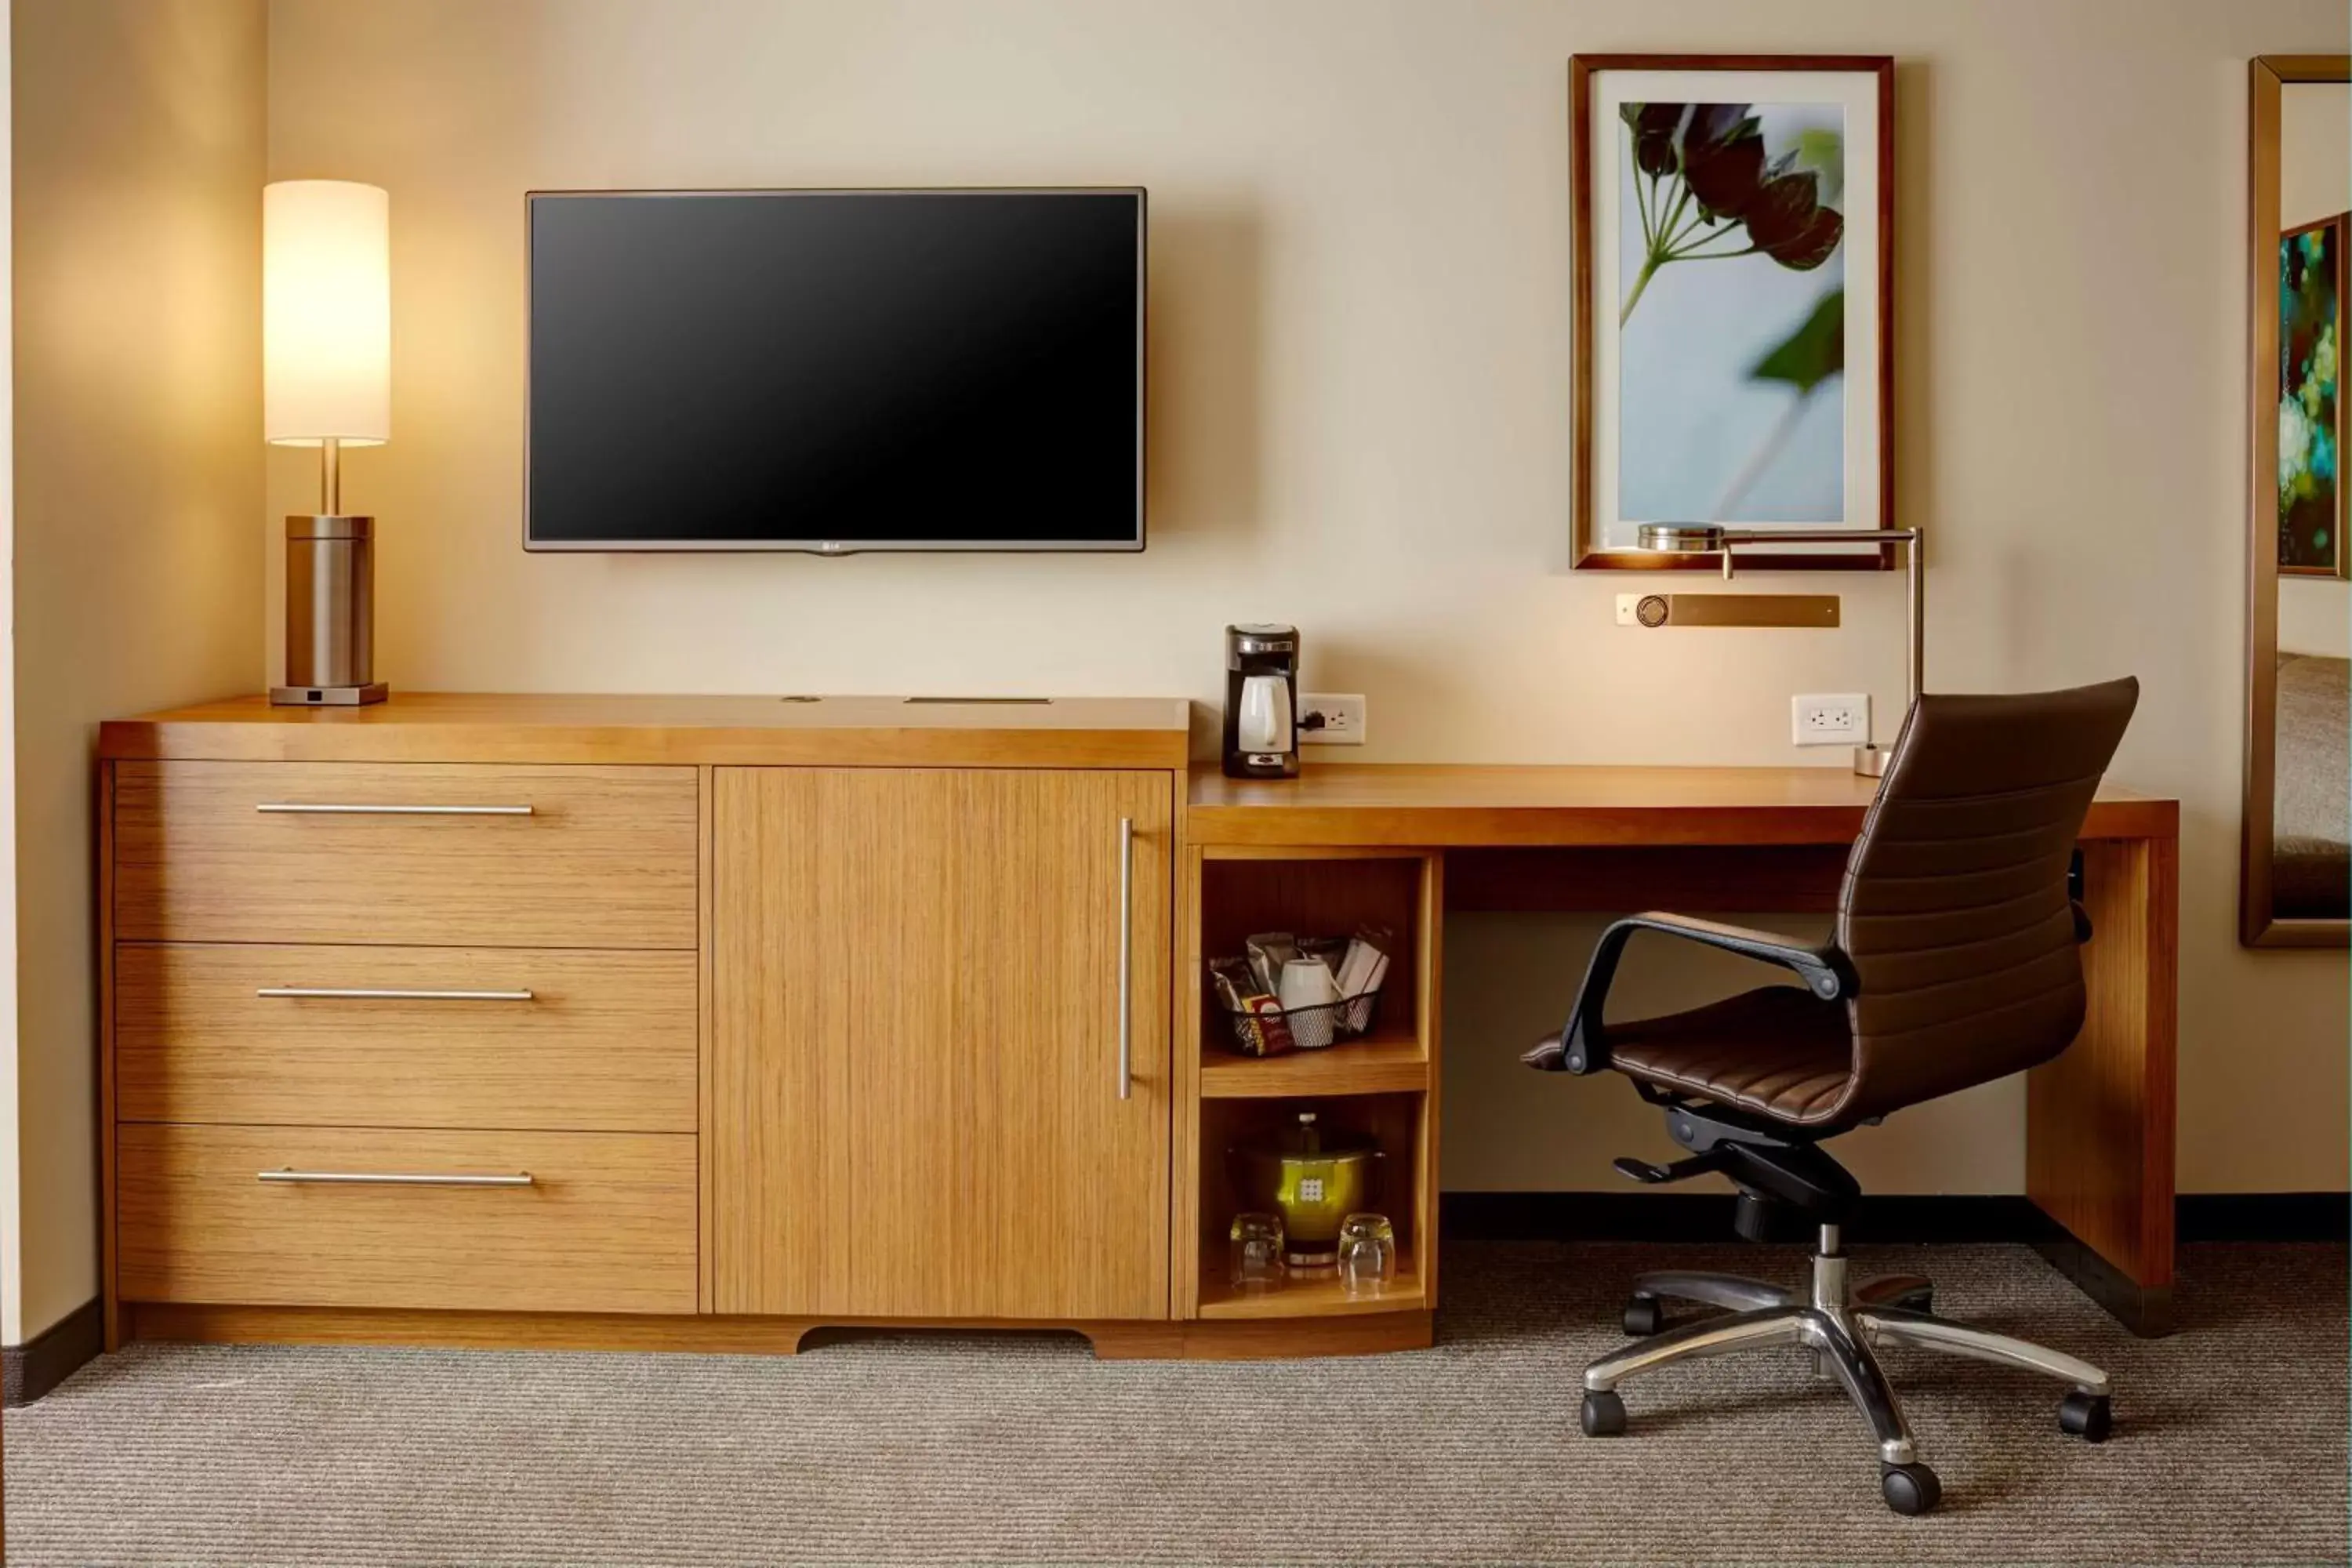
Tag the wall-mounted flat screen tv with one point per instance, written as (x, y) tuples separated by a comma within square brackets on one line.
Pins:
[(835, 371)]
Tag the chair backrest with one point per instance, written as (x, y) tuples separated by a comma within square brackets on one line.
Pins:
[(1955, 911)]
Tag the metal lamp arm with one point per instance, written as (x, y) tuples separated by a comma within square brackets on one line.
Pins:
[(1915, 572), (1708, 538)]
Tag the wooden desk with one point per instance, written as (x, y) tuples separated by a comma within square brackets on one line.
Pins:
[(575, 949), (2099, 1131)]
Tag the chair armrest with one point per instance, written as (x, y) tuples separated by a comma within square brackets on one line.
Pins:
[(1583, 1048)]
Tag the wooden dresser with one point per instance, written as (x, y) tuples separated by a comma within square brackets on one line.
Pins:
[(639, 1021)]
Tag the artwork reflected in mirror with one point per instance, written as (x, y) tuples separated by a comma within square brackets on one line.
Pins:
[(2296, 870), (2311, 414)]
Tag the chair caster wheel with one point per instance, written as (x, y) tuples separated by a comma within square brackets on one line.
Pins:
[(1644, 1316), (1604, 1415), (2085, 1415), (1910, 1488)]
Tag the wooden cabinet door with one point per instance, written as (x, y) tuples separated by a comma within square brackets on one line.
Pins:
[(915, 1043)]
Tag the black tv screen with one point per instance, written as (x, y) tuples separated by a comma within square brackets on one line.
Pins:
[(835, 371)]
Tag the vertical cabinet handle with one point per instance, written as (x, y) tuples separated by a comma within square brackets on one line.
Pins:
[(1125, 957)]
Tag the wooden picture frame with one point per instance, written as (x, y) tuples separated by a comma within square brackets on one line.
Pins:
[(2258, 922), (1593, 502)]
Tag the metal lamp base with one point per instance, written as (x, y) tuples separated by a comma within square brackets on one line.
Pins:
[(1870, 761), (327, 696), (329, 614)]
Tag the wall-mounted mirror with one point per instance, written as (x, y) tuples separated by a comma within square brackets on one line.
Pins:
[(2296, 865)]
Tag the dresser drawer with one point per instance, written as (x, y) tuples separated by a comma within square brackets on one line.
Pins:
[(605, 1222), (418, 1036), (425, 853)]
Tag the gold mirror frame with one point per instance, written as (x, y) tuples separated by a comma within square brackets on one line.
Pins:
[(2257, 925)]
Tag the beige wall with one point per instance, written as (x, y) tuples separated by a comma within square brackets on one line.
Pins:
[(137, 173), (1360, 402)]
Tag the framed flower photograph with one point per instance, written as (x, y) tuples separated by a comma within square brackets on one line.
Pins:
[(2311, 420), (1734, 267)]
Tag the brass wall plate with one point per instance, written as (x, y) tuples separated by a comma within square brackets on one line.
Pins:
[(1727, 609)]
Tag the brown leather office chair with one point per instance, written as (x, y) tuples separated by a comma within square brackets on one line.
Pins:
[(1954, 962)]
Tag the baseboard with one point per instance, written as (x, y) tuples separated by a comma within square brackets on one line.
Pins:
[(1894, 1217), (2264, 1216), (32, 1368)]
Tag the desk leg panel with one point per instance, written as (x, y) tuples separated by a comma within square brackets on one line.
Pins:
[(2100, 1119)]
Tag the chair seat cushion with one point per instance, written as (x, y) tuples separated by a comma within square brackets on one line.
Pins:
[(1776, 1051)]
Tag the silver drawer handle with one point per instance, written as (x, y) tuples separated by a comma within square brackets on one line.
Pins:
[(394, 1179), (317, 808), (373, 994)]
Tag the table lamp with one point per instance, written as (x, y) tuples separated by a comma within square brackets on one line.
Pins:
[(1705, 538), (326, 332)]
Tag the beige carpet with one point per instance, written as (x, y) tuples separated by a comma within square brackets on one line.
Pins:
[(2230, 1445)]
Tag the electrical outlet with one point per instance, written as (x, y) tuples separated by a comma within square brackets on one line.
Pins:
[(1328, 719), (1830, 719)]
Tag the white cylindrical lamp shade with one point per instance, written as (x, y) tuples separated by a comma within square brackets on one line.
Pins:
[(326, 299)]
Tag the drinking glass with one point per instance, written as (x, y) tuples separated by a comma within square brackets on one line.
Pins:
[(1256, 1251), (1368, 1254)]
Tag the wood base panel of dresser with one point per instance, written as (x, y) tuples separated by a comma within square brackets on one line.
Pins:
[(1140, 1340)]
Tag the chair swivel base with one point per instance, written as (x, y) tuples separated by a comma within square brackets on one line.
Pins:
[(1843, 1327)]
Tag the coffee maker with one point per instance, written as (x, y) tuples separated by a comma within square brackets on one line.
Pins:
[(1261, 702)]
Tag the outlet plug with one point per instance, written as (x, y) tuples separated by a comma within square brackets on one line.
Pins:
[(1830, 719), (1328, 719)]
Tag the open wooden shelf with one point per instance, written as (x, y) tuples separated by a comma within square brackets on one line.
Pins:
[(1382, 1090), (1391, 1060), (1318, 1296)]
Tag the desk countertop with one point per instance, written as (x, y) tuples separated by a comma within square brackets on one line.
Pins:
[(1432, 806), (1449, 806)]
